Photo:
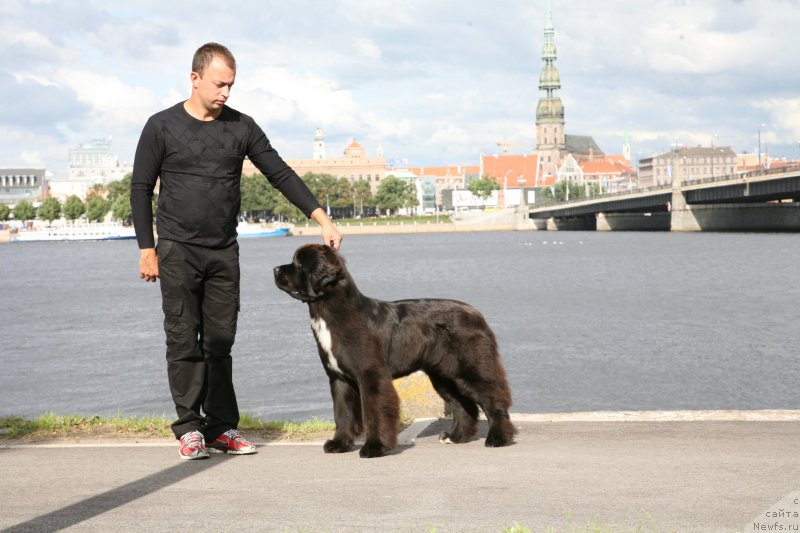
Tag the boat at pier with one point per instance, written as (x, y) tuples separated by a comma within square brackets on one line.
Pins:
[(246, 230), (86, 232)]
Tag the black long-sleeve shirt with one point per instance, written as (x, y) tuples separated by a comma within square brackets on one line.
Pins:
[(200, 166)]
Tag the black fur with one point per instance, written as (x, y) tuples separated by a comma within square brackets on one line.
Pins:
[(374, 341)]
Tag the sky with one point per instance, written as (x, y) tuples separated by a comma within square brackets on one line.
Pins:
[(431, 82)]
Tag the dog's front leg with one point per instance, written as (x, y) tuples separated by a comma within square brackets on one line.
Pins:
[(346, 414), (381, 407)]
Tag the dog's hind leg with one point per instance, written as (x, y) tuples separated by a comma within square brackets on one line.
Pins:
[(501, 430), (465, 411), (346, 414), (494, 399)]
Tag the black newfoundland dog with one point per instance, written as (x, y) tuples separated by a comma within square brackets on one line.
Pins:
[(365, 343)]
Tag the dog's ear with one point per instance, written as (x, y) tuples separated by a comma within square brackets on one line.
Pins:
[(328, 272)]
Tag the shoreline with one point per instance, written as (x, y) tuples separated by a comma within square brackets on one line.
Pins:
[(377, 229), (380, 229)]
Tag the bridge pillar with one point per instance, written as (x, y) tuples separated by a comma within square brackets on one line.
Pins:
[(633, 221), (587, 223), (682, 216), (738, 217)]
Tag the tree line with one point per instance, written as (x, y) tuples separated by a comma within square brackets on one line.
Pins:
[(259, 199), (340, 196), (100, 200)]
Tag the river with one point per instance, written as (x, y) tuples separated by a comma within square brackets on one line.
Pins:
[(586, 321)]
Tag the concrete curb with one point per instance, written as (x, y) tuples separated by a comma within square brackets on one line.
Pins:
[(408, 436), (766, 415)]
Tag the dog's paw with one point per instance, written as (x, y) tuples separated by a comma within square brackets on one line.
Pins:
[(337, 446), (497, 440), (372, 449), (444, 438)]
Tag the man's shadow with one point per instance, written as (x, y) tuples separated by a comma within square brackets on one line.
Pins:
[(96, 505)]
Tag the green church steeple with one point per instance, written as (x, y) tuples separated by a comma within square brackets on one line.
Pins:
[(549, 111)]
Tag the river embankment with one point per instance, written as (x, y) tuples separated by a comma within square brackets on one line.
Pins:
[(508, 219)]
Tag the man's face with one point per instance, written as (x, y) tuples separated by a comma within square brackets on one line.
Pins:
[(214, 85)]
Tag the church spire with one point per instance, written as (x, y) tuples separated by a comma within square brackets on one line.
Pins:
[(550, 111)]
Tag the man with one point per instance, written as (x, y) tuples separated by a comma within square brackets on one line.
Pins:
[(197, 148)]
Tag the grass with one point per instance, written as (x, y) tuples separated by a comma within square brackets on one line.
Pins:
[(415, 392), (52, 426)]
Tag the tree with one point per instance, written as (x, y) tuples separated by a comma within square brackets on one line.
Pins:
[(50, 209), (483, 187), (5, 212), (362, 194), (323, 187), (98, 189), (24, 211), (394, 193), (341, 193), (257, 194), (119, 188), (74, 208), (284, 208), (97, 208), (564, 190), (121, 209)]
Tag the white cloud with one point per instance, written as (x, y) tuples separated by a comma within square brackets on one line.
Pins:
[(450, 135), (31, 44), (112, 101), (433, 82), (367, 48), (280, 95), (784, 119)]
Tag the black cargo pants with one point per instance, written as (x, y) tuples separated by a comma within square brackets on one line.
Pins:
[(200, 299)]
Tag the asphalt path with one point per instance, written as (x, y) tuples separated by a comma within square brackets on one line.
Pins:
[(710, 475)]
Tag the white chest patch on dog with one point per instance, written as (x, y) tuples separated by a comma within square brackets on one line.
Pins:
[(323, 335)]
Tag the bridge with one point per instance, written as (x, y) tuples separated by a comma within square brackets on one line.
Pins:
[(762, 201)]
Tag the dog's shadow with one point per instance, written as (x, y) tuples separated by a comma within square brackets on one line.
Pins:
[(441, 425)]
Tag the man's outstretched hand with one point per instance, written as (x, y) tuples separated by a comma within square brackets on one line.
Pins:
[(330, 233)]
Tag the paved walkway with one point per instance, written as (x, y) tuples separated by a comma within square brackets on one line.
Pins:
[(711, 475)]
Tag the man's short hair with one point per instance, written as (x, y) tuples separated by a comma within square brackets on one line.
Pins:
[(205, 54)]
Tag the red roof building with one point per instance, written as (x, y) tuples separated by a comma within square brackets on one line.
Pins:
[(513, 171), (611, 174)]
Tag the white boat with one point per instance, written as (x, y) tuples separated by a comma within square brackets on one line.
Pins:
[(246, 230), (89, 232)]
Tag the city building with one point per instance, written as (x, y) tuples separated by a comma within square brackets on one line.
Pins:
[(434, 180), (353, 165), (90, 163), (17, 184), (93, 161), (610, 174), (514, 173), (687, 164)]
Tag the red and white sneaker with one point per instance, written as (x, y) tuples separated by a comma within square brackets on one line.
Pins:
[(233, 443), (193, 446)]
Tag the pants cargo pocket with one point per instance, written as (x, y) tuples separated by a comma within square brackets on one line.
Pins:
[(173, 310)]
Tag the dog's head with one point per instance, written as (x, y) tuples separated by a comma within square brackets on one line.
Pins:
[(315, 271)]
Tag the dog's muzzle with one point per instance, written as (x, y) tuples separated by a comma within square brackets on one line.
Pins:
[(282, 283)]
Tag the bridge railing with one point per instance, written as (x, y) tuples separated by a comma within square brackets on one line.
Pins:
[(683, 183), (744, 175), (550, 202)]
